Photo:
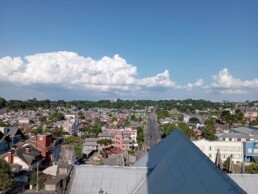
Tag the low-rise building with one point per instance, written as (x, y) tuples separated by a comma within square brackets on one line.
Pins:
[(226, 148), (232, 137), (251, 151), (8, 137), (251, 115), (89, 146), (28, 157)]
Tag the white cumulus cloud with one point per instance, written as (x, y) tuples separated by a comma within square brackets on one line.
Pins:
[(230, 91), (225, 80), (198, 83), (70, 70), (227, 84)]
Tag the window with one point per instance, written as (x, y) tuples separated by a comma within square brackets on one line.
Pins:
[(230, 148), (210, 155), (249, 150), (236, 156), (256, 151), (237, 148), (224, 148), (210, 148)]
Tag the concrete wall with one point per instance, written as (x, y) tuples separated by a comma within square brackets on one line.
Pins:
[(50, 187)]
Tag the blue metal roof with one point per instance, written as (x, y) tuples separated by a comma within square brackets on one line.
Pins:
[(178, 166)]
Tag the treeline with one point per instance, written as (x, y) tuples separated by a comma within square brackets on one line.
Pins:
[(182, 105)]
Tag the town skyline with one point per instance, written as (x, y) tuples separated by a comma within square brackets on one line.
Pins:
[(86, 50)]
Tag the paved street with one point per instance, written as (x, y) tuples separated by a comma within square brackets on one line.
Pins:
[(152, 136)]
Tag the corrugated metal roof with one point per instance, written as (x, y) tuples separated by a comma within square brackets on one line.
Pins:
[(245, 130), (248, 182), (115, 180)]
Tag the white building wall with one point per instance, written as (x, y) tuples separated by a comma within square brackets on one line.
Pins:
[(209, 148)]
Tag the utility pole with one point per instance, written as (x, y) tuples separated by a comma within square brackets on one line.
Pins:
[(37, 177)]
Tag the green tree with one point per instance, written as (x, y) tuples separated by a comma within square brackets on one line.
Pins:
[(162, 114), (239, 116), (226, 165), (252, 168), (78, 150), (2, 102), (133, 118), (225, 116), (72, 139), (2, 124), (105, 142), (252, 123), (57, 116), (81, 115), (194, 120), (43, 119), (209, 129), (114, 119), (6, 176), (59, 132), (126, 123), (33, 180), (140, 135), (167, 129), (38, 130), (185, 129), (180, 118)]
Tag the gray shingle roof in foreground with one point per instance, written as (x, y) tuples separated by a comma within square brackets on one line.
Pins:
[(175, 165)]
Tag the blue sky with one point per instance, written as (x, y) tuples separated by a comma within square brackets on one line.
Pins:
[(62, 49)]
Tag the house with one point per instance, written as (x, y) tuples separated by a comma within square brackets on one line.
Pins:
[(239, 134), (234, 137), (56, 184), (8, 137), (90, 145), (220, 127), (48, 145), (251, 151), (251, 115), (27, 157), (23, 121), (59, 169), (14, 133), (5, 143), (197, 133)]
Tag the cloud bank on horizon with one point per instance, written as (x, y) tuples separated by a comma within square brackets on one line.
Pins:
[(68, 70)]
